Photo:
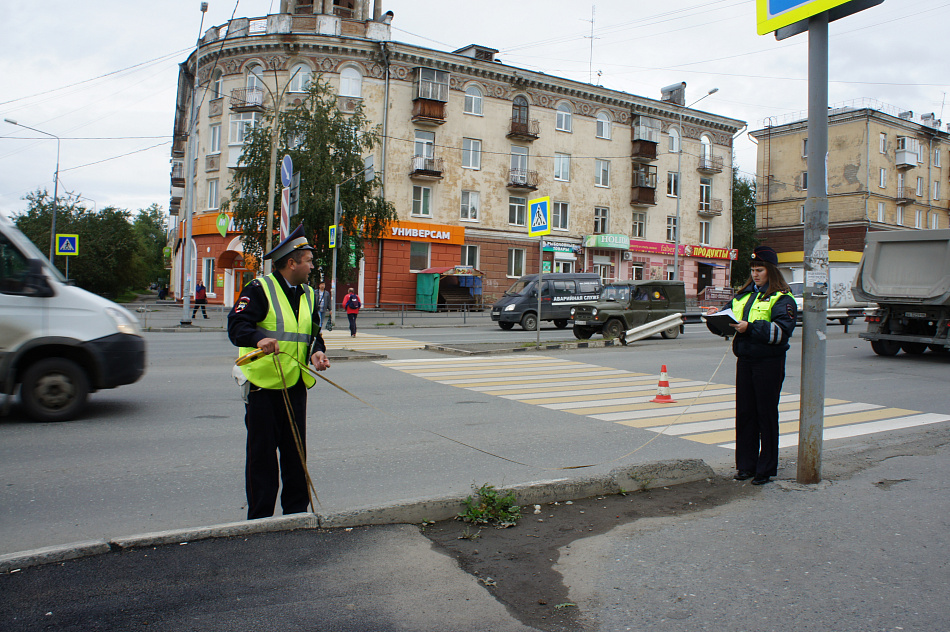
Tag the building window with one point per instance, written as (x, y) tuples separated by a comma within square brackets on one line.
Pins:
[(933, 221), (432, 85), (471, 153), (240, 127), (919, 218), (603, 125), (215, 89), (469, 208), (469, 256), (212, 194), (473, 101), (882, 179), (516, 262), (937, 157), (705, 228), (880, 212), (516, 210), (636, 271), (563, 120), (705, 193), (936, 190), (519, 112), (562, 167), (801, 211), (559, 212), (900, 184), (804, 180), (255, 81), (674, 145), (804, 148), (900, 215), (300, 78), (639, 227), (670, 273), (519, 164), (601, 172), (705, 150), (215, 142), (920, 186), (671, 228), (672, 184), (421, 201), (351, 82), (601, 220), (207, 273), (882, 143), (418, 256)]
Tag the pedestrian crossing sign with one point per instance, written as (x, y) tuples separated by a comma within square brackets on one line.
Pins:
[(333, 236), (540, 216), (67, 244)]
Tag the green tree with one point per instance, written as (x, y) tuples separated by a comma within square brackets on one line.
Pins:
[(743, 226), (151, 230), (327, 147)]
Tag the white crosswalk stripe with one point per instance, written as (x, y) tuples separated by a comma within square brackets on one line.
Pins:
[(341, 339)]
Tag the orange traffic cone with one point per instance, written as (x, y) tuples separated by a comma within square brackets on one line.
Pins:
[(663, 389)]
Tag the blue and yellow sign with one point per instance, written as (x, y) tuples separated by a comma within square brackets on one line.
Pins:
[(772, 15), (333, 236), (540, 209), (67, 244)]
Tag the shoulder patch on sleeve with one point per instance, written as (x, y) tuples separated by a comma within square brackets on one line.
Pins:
[(241, 305), (255, 283), (790, 310)]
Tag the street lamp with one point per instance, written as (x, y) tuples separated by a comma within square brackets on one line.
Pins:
[(679, 184), (52, 230)]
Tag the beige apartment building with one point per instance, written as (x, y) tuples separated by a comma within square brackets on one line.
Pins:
[(887, 169), (468, 142)]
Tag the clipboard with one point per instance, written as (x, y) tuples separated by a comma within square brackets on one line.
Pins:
[(719, 322)]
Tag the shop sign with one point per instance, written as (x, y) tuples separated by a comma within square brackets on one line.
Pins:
[(619, 242), (654, 247), (706, 252), (560, 246), (433, 233)]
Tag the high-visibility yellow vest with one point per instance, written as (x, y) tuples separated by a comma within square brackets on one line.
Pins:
[(761, 310), (292, 334)]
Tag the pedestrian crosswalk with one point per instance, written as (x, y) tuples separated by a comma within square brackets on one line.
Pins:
[(702, 412), (341, 339)]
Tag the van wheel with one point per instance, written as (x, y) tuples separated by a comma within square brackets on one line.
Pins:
[(54, 389), (914, 348), (671, 333), (560, 323), (506, 326), (582, 333), (885, 347), (529, 322), (613, 328)]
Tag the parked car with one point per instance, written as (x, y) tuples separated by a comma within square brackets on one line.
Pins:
[(623, 305), (561, 291)]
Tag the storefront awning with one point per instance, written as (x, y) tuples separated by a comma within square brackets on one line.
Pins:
[(454, 271)]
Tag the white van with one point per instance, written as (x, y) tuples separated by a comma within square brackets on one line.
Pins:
[(57, 341)]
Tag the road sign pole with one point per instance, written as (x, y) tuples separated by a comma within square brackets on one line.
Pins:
[(540, 286)]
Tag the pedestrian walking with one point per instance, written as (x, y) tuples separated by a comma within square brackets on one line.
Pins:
[(352, 304), (323, 302), (201, 300), (278, 313), (766, 314)]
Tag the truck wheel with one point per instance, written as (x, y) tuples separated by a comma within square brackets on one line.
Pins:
[(914, 348), (885, 347), (613, 328), (582, 333), (506, 326), (671, 333), (54, 389), (560, 323), (529, 322)]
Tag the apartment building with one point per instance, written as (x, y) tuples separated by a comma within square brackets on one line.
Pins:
[(887, 170), (468, 142)]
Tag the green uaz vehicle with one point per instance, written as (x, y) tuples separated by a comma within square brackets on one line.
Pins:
[(624, 305)]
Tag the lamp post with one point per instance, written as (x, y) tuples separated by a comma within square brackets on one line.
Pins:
[(679, 184), (52, 230)]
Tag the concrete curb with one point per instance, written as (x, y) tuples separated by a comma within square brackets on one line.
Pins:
[(627, 478), (545, 346)]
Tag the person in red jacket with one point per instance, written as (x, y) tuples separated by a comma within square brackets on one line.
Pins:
[(352, 304)]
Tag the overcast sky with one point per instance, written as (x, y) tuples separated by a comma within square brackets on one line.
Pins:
[(101, 74)]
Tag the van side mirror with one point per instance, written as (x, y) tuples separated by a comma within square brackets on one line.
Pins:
[(35, 284)]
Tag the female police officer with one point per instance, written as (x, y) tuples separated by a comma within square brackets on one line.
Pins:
[(766, 312)]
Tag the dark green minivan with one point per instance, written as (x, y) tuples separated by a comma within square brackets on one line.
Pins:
[(624, 305)]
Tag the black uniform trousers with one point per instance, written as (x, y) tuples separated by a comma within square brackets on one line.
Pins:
[(758, 387), (268, 431)]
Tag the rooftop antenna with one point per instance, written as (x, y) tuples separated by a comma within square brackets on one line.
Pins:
[(590, 64)]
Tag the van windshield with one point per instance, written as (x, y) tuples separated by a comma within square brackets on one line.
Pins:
[(518, 288)]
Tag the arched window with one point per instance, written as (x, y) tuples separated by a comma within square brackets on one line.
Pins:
[(299, 78), (603, 125), (674, 140), (215, 88), (563, 121), (351, 82), (705, 146), (519, 111), (473, 100), (255, 77)]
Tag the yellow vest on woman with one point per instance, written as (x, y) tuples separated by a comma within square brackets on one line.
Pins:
[(761, 310), (292, 335)]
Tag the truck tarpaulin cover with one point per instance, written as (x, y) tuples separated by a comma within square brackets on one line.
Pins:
[(911, 265)]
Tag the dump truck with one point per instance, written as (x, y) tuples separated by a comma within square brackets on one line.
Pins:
[(907, 273)]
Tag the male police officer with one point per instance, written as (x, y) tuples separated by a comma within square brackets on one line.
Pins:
[(278, 312)]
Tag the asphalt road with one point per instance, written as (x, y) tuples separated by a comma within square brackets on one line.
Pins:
[(168, 452)]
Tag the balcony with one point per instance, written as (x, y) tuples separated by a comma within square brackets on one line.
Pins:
[(178, 174), (247, 100), (423, 168), (522, 180), (428, 112), (709, 164), (710, 208), (905, 159), (643, 151), (524, 130), (174, 206), (643, 191), (646, 137), (906, 195)]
